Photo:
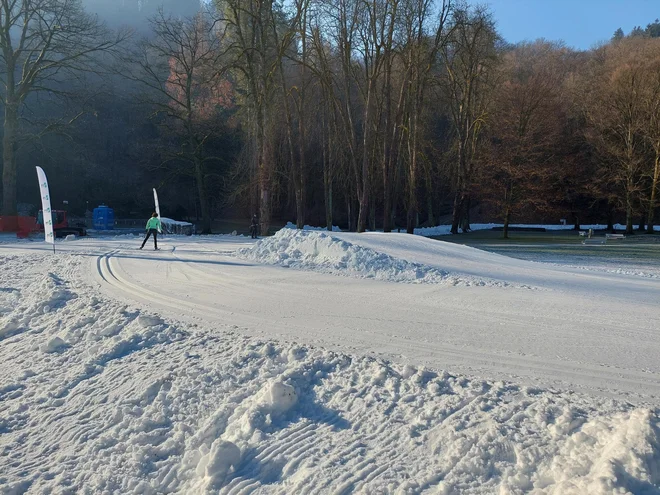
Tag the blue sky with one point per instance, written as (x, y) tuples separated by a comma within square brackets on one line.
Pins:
[(580, 23)]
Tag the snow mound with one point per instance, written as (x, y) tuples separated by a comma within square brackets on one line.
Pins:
[(43, 295), (603, 457), (215, 466), (55, 344), (281, 397), (323, 252)]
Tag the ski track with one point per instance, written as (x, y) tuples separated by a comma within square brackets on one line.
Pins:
[(599, 377)]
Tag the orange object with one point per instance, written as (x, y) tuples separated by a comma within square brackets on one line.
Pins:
[(9, 224), (27, 224)]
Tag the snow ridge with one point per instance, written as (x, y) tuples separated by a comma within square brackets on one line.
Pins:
[(323, 252)]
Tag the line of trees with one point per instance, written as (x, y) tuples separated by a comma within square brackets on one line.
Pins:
[(371, 114)]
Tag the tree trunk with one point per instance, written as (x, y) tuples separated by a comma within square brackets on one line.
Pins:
[(411, 218), (200, 179), (456, 212), (328, 205), (301, 196), (264, 209), (507, 219), (349, 211), (203, 197), (265, 182), (372, 217), (366, 157), (467, 206), (654, 189), (576, 221), (412, 171), (387, 211), (430, 220), (387, 152), (429, 206), (9, 160), (459, 196), (295, 169), (300, 208), (364, 209), (629, 207), (327, 179)]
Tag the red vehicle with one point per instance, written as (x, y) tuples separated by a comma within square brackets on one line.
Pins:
[(61, 225)]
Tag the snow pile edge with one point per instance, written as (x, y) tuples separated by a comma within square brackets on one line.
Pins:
[(325, 253)]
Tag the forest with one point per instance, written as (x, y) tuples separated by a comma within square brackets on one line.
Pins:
[(365, 114)]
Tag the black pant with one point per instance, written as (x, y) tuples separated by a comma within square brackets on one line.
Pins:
[(155, 234)]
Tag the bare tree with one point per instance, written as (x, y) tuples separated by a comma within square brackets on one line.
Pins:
[(333, 134), (182, 68), (43, 45), (255, 57), (469, 61), (610, 98), (651, 101), (335, 33), (420, 52), (295, 34), (524, 129)]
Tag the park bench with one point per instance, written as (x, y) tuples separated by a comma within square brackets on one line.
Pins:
[(615, 236)]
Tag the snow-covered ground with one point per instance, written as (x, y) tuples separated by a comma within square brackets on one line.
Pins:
[(313, 363)]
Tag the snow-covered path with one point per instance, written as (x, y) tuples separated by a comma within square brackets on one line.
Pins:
[(496, 317), (570, 329), (195, 385)]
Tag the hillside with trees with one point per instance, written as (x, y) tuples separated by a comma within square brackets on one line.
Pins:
[(383, 114)]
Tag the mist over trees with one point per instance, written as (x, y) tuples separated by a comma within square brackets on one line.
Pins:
[(379, 114), (136, 13)]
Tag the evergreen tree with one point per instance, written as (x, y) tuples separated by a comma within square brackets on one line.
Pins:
[(653, 29), (618, 35), (637, 32)]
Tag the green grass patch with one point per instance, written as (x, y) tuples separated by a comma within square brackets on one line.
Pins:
[(565, 247)]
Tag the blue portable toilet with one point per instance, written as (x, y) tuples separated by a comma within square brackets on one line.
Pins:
[(104, 218)]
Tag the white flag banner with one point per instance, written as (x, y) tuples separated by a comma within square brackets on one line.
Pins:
[(156, 201), (45, 207)]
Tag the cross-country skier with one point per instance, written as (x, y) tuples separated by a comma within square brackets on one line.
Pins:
[(153, 228), (253, 226)]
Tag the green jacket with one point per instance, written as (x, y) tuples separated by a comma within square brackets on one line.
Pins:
[(153, 223)]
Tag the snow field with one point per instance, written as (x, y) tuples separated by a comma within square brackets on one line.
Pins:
[(326, 253), (100, 397)]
